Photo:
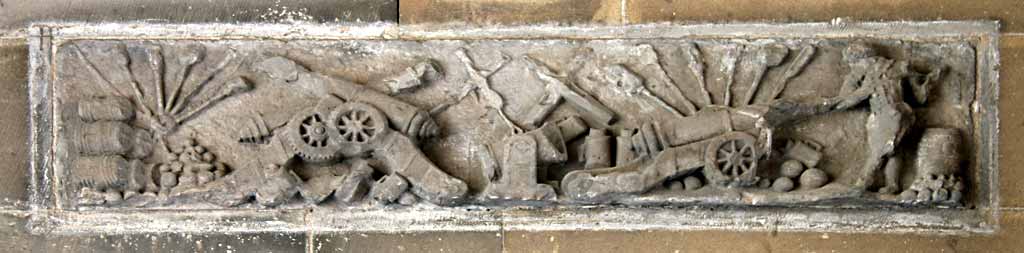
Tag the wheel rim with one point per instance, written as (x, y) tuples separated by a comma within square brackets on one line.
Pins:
[(358, 123), (357, 126), (735, 158), (313, 131), (311, 137), (731, 160)]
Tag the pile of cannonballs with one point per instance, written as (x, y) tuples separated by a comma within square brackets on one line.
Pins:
[(793, 172), (931, 188), (688, 183)]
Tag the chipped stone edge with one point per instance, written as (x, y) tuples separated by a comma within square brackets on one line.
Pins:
[(47, 217), (392, 31), (418, 219)]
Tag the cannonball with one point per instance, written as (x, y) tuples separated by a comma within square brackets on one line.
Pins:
[(187, 179), (184, 157), (764, 183), (940, 195), (407, 199), (908, 195), (177, 149), (112, 197), (675, 185), (176, 166), (924, 195), (813, 178), (208, 157), (783, 184), (168, 180), (692, 183), (204, 177), (791, 168)]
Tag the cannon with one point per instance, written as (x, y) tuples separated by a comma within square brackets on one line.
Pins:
[(349, 122), (337, 129), (725, 142)]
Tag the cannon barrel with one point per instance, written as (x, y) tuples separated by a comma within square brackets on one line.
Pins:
[(700, 126), (400, 155), (707, 124), (404, 117)]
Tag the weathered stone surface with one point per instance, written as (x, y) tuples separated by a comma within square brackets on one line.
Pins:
[(510, 12), (642, 11), (19, 14), (408, 242), (14, 127), (15, 237), (1004, 240), (389, 189), (173, 242), (242, 123), (1007, 239), (13, 233)]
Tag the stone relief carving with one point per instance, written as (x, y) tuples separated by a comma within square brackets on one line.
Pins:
[(170, 123)]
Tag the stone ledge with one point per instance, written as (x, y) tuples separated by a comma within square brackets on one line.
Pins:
[(923, 221)]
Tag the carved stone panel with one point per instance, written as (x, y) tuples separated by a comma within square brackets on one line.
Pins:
[(546, 125)]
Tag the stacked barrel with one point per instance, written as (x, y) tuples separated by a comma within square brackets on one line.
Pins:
[(109, 151)]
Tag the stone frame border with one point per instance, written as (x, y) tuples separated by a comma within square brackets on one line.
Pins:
[(48, 217)]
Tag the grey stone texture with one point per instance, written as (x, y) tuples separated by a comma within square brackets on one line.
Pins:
[(642, 11), (19, 14), (218, 122), (1005, 239)]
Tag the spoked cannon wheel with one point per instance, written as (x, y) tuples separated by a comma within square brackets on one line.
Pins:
[(358, 124), (731, 160)]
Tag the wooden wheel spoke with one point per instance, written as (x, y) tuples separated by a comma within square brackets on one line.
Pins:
[(748, 160), (363, 117)]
